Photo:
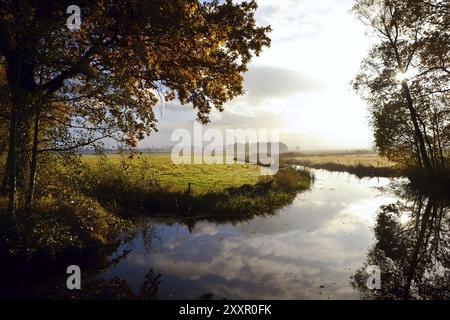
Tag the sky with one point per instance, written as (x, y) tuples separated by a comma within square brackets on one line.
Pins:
[(301, 85)]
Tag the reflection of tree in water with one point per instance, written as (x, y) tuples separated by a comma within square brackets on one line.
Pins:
[(110, 289), (412, 248), (191, 221), (94, 288)]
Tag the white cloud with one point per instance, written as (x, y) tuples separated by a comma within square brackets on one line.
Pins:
[(302, 82), (268, 82)]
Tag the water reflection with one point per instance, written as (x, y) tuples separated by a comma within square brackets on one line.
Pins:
[(308, 250), (412, 248), (316, 248)]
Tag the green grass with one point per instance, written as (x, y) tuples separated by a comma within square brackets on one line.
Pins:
[(204, 178), (153, 185)]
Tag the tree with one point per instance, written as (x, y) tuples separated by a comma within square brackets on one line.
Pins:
[(69, 89), (406, 80), (4, 110)]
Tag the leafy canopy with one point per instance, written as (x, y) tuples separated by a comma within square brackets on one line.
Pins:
[(128, 56)]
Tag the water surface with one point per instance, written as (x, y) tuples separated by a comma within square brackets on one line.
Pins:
[(308, 250)]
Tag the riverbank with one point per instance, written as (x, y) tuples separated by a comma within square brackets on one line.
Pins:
[(86, 204), (216, 190), (372, 165), (361, 165)]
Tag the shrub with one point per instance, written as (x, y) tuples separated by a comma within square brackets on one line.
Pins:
[(67, 222), (292, 180)]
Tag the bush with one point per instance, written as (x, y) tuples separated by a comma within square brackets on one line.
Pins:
[(117, 187), (292, 180), (67, 222)]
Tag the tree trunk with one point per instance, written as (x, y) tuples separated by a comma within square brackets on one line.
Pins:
[(11, 165), (412, 111), (440, 151), (428, 143), (417, 151), (4, 189), (418, 133), (33, 165)]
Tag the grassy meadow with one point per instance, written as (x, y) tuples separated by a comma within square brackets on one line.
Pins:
[(152, 184), (204, 178)]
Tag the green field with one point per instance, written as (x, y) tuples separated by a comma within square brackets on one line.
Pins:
[(204, 178), (153, 184)]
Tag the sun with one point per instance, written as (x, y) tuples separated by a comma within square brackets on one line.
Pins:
[(404, 219), (401, 76)]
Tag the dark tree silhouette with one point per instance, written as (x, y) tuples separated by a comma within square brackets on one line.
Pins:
[(406, 80)]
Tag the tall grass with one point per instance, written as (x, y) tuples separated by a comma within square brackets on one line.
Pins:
[(359, 170), (359, 165)]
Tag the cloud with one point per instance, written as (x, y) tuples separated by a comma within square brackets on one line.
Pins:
[(266, 82), (175, 118), (237, 121), (294, 19), (300, 84)]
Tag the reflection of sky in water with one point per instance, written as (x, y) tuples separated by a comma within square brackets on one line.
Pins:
[(308, 250)]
